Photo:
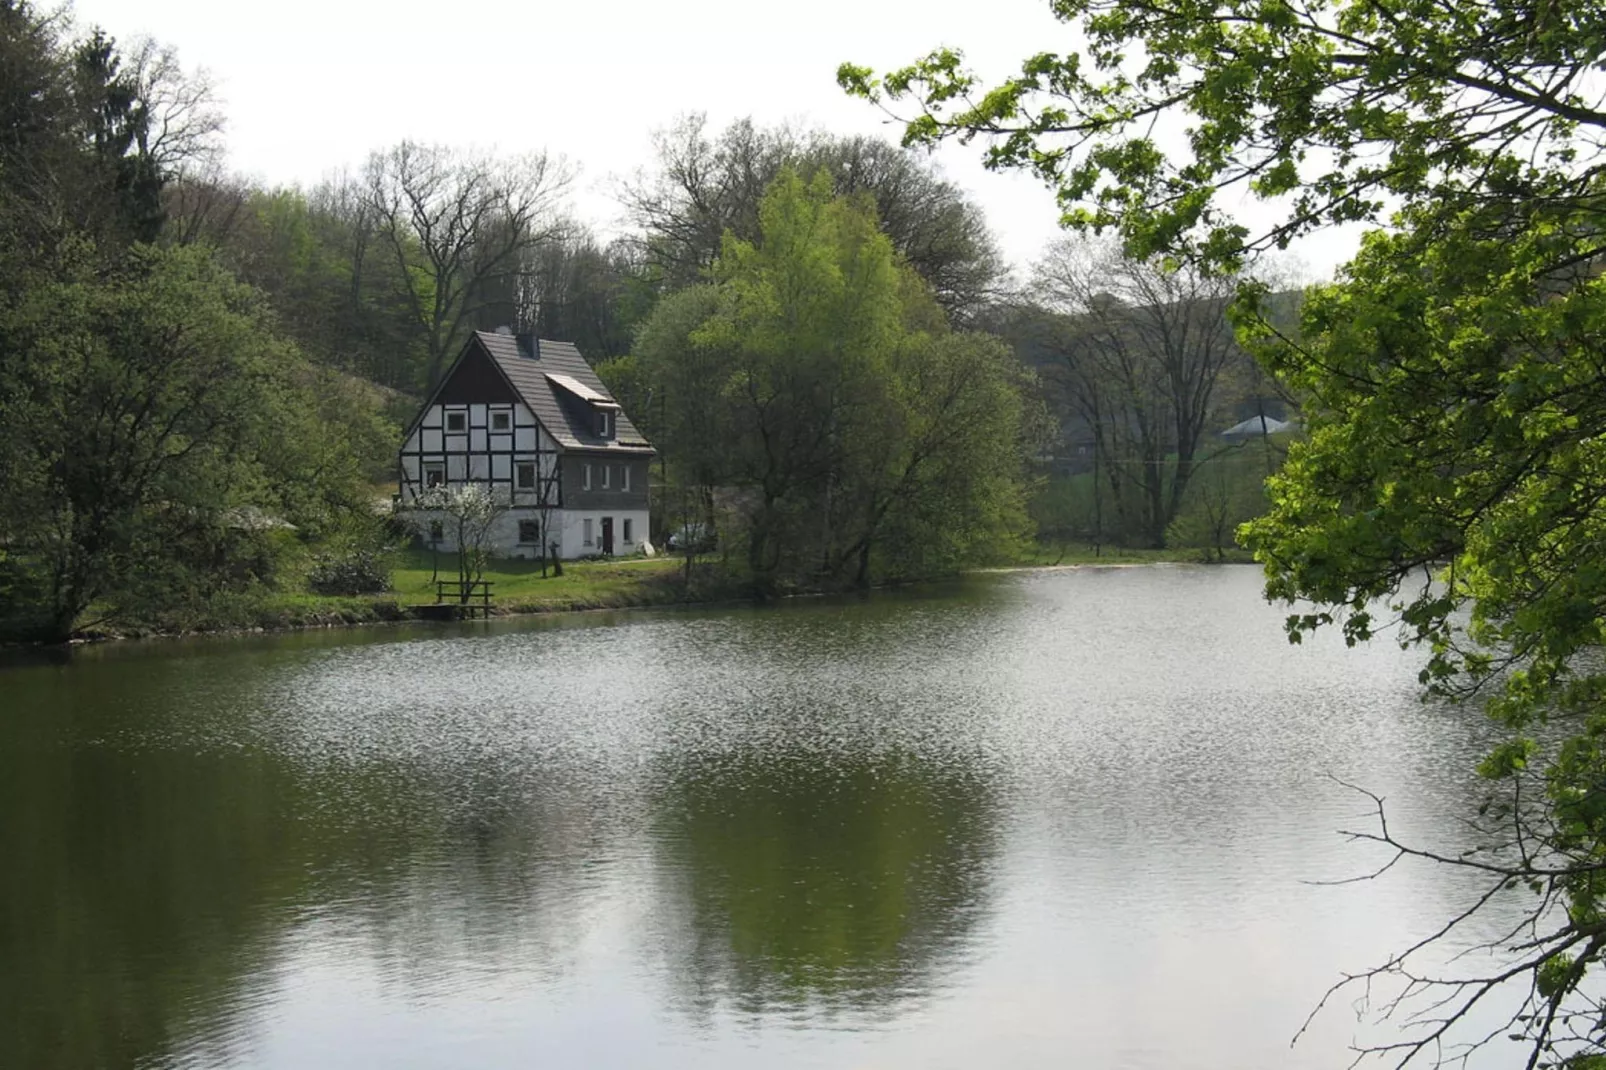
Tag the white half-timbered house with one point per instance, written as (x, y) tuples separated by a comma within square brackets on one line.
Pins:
[(530, 419)]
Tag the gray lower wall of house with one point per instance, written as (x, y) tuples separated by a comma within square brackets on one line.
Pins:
[(575, 496)]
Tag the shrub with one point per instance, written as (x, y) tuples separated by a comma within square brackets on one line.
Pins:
[(360, 571)]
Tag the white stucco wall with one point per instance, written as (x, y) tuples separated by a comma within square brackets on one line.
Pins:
[(572, 525), (567, 527)]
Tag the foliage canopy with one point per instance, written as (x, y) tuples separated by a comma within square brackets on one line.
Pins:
[(816, 384)]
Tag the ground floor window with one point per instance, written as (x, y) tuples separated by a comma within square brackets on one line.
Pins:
[(585, 533), (436, 531), (529, 531), (628, 529)]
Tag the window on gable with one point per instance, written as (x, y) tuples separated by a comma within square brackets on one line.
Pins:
[(434, 475), (501, 421), (524, 477), (456, 421), (529, 532)]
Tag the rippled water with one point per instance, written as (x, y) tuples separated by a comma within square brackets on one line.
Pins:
[(1042, 819)]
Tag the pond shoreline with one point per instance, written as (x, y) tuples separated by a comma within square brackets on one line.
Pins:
[(358, 612)]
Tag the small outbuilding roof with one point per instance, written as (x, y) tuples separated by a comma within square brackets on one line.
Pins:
[(1257, 425)]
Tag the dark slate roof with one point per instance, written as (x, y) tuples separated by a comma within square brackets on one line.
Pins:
[(528, 362)]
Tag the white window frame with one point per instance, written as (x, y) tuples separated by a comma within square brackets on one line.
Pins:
[(604, 423), (585, 477), (501, 421), (607, 476), (462, 426), (587, 529), (624, 479)]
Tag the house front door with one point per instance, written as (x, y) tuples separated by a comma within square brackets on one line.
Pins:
[(607, 534)]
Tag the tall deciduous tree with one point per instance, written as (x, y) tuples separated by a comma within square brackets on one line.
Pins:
[(816, 380), (704, 185), (1139, 352), (451, 221)]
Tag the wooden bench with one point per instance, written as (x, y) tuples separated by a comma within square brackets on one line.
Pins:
[(468, 599)]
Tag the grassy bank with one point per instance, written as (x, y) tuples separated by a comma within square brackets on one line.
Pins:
[(519, 588)]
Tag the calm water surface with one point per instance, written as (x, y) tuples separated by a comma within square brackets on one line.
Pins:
[(1040, 820)]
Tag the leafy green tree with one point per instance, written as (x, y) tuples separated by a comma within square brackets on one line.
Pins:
[(1330, 112), (1453, 484), (116, 127), (1451, 378), (815, 380), (153, 420)]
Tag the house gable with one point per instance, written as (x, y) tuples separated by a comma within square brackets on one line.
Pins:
[(475, 378)]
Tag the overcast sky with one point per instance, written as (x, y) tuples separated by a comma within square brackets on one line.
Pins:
[(311, 86)]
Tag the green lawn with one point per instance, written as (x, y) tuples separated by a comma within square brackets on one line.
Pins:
[(518, 586)]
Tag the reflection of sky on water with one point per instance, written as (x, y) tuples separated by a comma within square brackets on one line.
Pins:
[(1049, 817)]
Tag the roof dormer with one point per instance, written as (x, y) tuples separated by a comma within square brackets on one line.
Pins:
[(604, 410)]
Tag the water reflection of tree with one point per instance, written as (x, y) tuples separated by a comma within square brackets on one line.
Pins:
[(825, 885), (114, 941), (152, 884)]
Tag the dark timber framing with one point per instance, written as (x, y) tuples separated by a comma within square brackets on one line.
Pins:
[(508, 404)]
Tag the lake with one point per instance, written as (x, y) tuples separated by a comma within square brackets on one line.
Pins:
[(1038, 819)]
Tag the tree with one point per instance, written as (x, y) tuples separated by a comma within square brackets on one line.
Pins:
[(574, 289), (704, 186), (1456, 412), (815, 382), (1452, 377), (1138, 354), (182, 120), (1330, 113), (150, 416), (472, 509), (452, 222)]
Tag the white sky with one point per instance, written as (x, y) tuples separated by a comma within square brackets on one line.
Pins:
[(311, 86)]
